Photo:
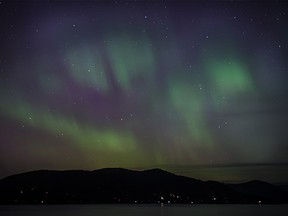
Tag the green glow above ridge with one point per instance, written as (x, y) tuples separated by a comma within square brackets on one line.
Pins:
[(87, 136)]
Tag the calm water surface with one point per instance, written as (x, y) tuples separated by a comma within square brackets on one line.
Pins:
[(144, 210)]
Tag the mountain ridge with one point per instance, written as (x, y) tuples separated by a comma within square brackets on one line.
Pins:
[(119, 185)]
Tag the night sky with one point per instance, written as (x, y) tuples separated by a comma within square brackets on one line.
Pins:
[(87, 85)]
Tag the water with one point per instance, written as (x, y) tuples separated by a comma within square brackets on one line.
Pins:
[(144, 210)]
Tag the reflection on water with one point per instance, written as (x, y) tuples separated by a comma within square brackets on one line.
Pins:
[(144, 210)]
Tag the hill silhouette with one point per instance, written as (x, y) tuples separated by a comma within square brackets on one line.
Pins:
[(117, 185)]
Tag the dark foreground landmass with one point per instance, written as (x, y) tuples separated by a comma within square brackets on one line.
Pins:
[(116, 185)]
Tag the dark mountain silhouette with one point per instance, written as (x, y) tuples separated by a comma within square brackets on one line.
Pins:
[(262, 190), (116, 185)]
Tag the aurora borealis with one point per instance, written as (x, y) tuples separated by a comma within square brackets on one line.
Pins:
[(86, 85)]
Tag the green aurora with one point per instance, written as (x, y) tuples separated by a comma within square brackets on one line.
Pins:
[(142, 88)]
